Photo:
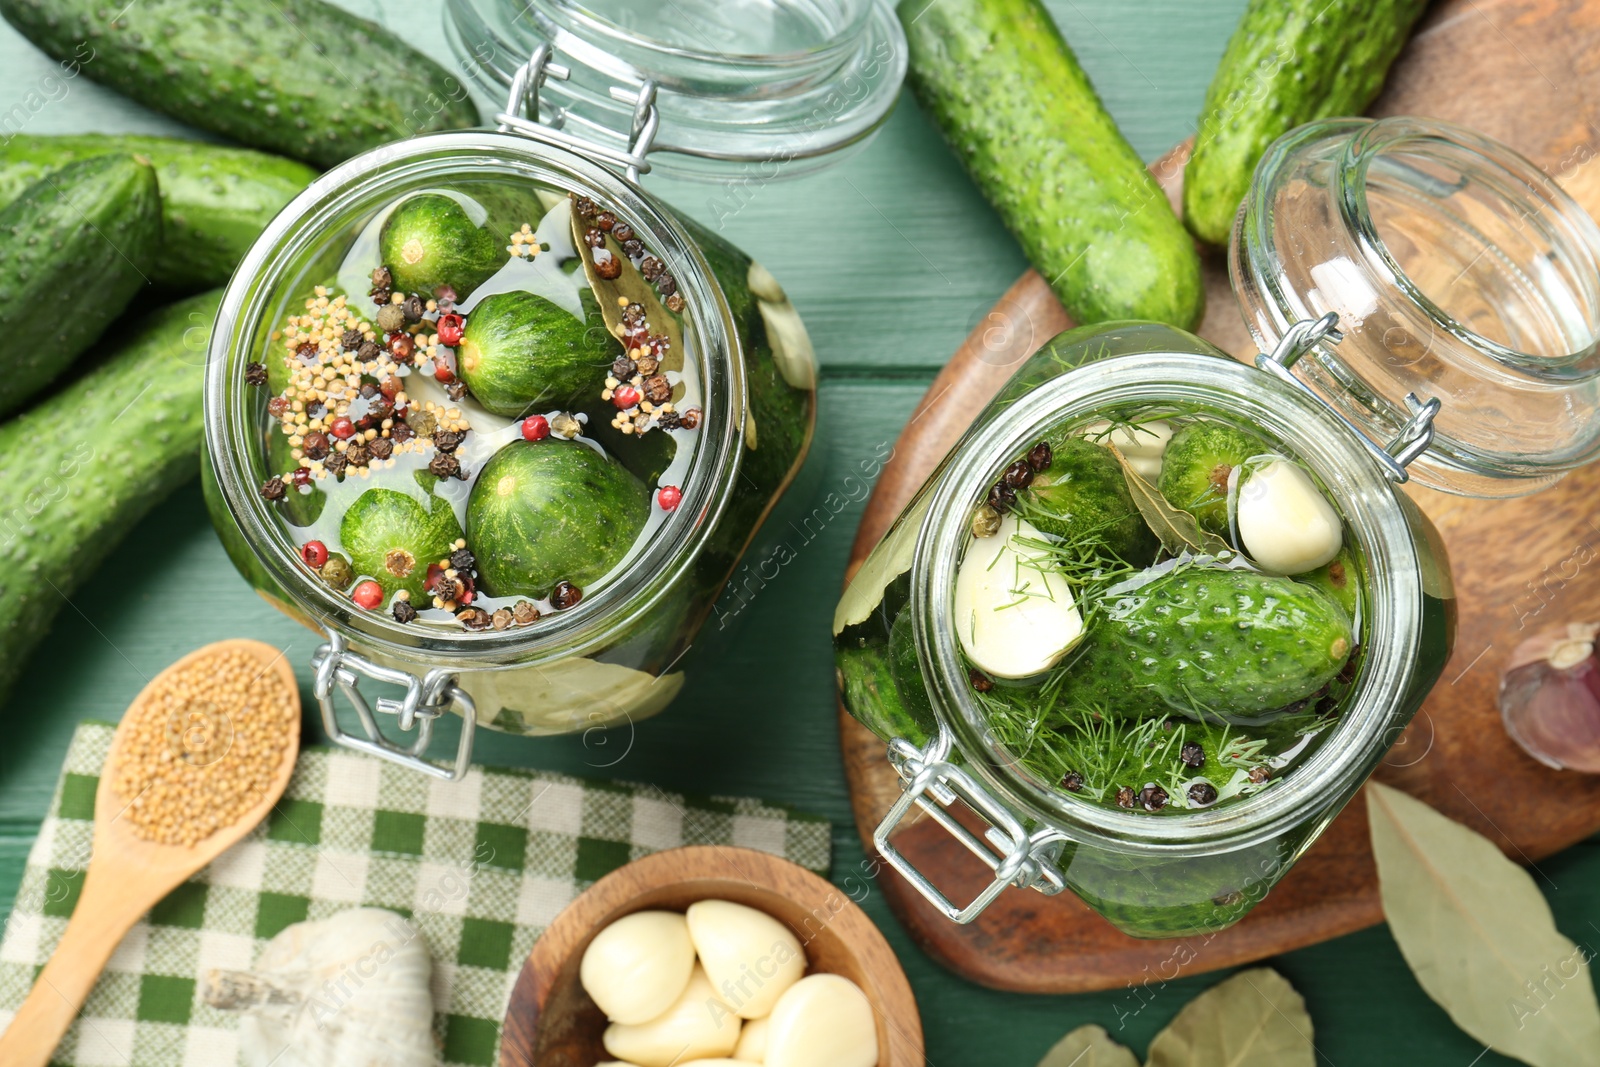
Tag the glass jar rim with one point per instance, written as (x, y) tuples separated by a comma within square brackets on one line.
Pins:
[(389, 171), (1366, 499)]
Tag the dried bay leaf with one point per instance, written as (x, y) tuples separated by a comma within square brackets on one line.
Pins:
[(1177, 530), (1088, 1046), (883, 565), (630, 287), (1254, 1019), (1479, 936)]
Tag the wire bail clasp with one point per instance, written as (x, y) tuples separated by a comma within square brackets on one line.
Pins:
[(523, 115), (1414, 436), (425, 700)]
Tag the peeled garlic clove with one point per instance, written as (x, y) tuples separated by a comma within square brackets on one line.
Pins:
[(1550, 698), (750, 957), (822, 1021), (720, 1063), (1285, 523), (1014, 611), (637, 967), (752, 1044), (1142, 445), (698, 1025)]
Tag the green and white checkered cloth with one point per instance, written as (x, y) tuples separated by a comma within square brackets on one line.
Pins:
[(480, 866)]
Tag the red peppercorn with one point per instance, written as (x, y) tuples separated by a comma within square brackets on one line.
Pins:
[(277, 407), (669, 497), (450, 328), (301, 476), (390, 387), (367, 594), (444, 368), (315, 553), (342, 428), (535, 428), (626, 396), (402, 347)]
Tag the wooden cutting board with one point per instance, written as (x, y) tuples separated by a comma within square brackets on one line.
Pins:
[(1526, 72)]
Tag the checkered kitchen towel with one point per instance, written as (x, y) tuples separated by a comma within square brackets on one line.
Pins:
[(480, 865)]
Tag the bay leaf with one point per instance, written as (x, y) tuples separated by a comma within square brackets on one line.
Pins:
[(628, 287), (1177, 530), (1254, 1019), (883, 565), (1088, 1046), (1479, 936)]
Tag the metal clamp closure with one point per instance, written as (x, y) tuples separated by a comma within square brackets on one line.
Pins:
[(522, 115), (427, 698), (1016, 857), (1414, 437)]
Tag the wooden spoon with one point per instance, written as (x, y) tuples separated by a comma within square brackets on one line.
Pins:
[(127, 875)]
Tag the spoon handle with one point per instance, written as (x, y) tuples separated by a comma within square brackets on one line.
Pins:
[(101, 919)]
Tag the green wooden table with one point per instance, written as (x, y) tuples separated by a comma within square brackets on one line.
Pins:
[(892, 257)]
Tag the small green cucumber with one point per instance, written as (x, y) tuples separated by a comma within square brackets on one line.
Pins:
[(1010, 97), (1288, 62), (1196, 467), (521, 353), (392, 538), (215, 201), (550, 511), (81, 468), (870, 690), (1229, 645), (429, 241), (300, 77), (1083, 491), (97, 220)]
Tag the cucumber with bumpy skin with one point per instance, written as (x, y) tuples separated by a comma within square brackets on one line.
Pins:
[(429, 241), (392, 539), (74, 248), (300, 77), (1196, 467), (1289, 62), (1228, 645), (215, 200), (1020, 113), (1084, 491), (521, 353), (80, 469)]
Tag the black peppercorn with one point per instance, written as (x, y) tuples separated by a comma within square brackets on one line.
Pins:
[(1152, 797), (273, 488), (403, 611), (351, 340), (1001, 497), (657, 389), (623, 368), (565, 595), (447, 440), (401, 432), (358, 454), (335, 463), (255, 374), (647, 365), (585, 207), (1202, 793), (666, 285), (605, 220), (455, 390), (524, 613), (315, 444), (633, 315), (1192, 755), (381, 278), (1040, 455), (380, 447), (1258, 775), (651, 268), (594, 238), (412, 307), (444, 465), (622, 231), (1072, 781), (668, 420), (307, 354), (980, 681), (462, 559), (1125, 797), (1019, 475), (474, 618), (633, 248), (368, 351)]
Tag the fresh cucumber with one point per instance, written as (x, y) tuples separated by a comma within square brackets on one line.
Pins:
[(522, 354), (1084, 494), (215, 201), (74, 249), (392, 539), (77, 471), (1195, 470), (1000, 81), (1288, 62), (429, 241), (300, 77)]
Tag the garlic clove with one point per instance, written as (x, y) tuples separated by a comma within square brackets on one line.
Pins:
[(752, 1044), (822, 1021), (749, 956), (637, 967), (1285, 523), (1014, 611), (720, 1063), (1142, 446), (698, 1025), (1550, 698)]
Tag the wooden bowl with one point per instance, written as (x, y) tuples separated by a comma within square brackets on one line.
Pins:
[(551, 1022)]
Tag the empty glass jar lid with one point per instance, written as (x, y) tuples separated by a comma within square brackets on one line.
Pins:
[(763, 88)]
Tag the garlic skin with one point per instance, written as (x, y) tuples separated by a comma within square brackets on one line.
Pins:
[(1143, 446), (351, 990), (1550, 697), (750, 957), (639, 966), (1014, 611), (699, 1025), (822, 1021), (752, 1044), (1285, 523)]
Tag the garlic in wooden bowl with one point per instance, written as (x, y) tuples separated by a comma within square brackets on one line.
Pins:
[(766, 929), (637, 967)]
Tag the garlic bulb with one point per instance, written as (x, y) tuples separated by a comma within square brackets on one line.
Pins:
[(1285, 523), (752, 1044), (750, 957), (1550, 697), (347, 991), (698, 1025), (1014, 611), (637, 967), (1143, 446), (822, 1021)]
